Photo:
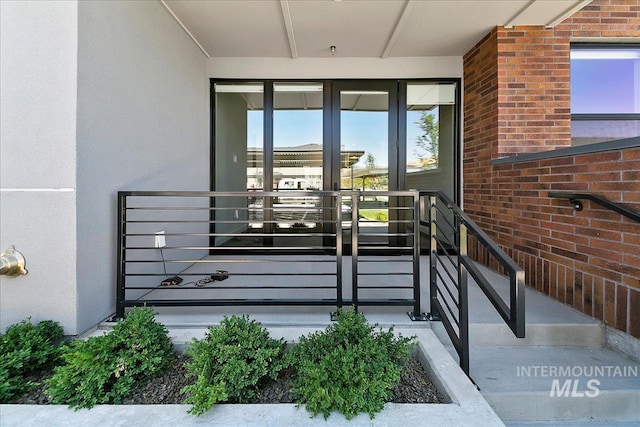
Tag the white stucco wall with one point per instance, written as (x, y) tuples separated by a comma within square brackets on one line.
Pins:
[(38, 49), (143, 124)]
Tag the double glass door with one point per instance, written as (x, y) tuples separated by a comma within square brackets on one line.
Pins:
[(329, 135)]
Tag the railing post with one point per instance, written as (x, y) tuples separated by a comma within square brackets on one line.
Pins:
[(354, 248), (433, 262), (416, 255), (338, 241), (463, 298), (120, 268), (517, 313)]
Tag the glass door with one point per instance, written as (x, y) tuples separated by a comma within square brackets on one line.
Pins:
[(297, 163), (364, 127)]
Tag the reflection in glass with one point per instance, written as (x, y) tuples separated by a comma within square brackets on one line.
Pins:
[(430, 136), (364, 130), (364, 158), (297, 160), (238, 157), (239, 136), (430, 148)]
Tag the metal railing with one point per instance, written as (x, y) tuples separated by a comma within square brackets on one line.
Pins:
[(246, 235), (575, 199), (450, 230)]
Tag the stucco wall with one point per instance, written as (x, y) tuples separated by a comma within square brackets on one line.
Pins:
[(38, 41), (143, 124)]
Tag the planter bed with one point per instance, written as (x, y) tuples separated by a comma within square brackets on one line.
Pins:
[(464, 404)]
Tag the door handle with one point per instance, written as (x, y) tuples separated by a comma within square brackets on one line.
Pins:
[(335, 186)]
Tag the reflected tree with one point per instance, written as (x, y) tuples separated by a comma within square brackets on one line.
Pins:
[(427, 143)]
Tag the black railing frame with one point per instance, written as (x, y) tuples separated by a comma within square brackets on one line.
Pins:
[(425, 204), (513, 314), (122, 302)]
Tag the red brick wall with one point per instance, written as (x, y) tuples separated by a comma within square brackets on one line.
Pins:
[(517, 100), (480, 122)]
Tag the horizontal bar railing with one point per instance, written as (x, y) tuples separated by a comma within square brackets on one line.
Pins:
[(450, 265), (195, 234), (575, 199), (397, 233), (203, 232)]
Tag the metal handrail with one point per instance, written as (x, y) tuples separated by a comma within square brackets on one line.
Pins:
[(462, 226), (575, 198)]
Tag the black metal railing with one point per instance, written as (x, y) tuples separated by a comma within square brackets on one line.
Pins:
[(450, 264), (575, 199), (200, 237), (203, 232)]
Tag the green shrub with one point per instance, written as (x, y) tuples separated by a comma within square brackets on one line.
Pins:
[(230, 362), (107, 368), (25, 349), (348, 367)]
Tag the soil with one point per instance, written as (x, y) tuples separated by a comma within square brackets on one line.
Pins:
[(413, 387)]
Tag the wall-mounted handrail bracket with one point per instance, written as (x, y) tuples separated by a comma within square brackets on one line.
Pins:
[(577, 204), (575, 199)]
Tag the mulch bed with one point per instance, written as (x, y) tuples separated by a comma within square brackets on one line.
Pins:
[(414, 387)]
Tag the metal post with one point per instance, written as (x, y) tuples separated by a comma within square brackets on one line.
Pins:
[(517, 303), (463, 298), (120, 268), (268, 156), (416, 256), (354, 248), (338, 227), (434, 314)]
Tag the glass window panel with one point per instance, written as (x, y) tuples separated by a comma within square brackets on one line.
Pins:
[(430, 136), (239, 136), (605, 94), (297, 160), (605, 81), (239, 111), (364, 138), (364, 160)]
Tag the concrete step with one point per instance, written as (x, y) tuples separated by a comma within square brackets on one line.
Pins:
[(588, 335), (526, 384)]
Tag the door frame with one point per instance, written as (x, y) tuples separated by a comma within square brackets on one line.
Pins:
[(331, 146)]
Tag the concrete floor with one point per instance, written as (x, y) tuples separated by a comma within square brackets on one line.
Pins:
[(393, 272)]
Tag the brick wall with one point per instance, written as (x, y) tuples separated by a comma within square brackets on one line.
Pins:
[(517, 100)]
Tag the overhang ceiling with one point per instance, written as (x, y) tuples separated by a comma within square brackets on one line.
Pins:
[(357, 28)]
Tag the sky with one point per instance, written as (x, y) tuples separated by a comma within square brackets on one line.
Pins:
[(605, 86)]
